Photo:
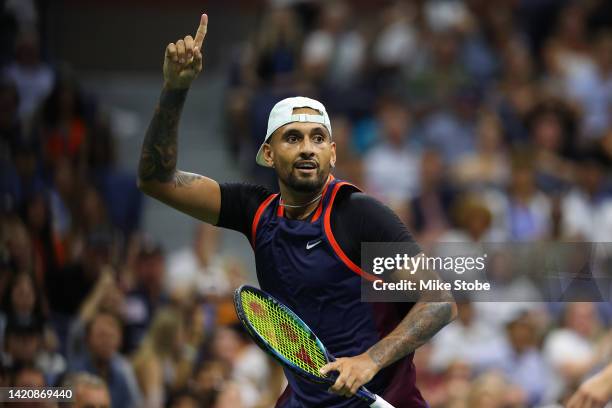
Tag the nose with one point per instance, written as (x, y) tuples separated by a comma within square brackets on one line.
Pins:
[(306, 148)]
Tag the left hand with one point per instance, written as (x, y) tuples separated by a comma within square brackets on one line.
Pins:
[(354, 372)]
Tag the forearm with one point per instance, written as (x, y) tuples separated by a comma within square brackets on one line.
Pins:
[(159, 153), (423, 321)]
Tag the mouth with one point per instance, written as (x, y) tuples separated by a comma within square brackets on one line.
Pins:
[(306, 166)]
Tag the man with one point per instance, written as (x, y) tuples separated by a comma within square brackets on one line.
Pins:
[(103, 359), (306, 255), (90, 391), (28, 376)]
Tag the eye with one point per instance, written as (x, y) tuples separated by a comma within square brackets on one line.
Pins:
[(318, 138), (292, 139)]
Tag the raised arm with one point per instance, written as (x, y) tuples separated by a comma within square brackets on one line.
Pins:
[(158, 176)]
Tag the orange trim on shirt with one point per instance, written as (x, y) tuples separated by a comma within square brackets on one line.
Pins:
[(330, 237), (319, 210), (262, 207)]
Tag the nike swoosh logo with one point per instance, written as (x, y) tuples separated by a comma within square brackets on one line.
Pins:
[(310, 245)]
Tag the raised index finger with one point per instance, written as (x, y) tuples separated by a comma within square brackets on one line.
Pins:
[(201, 33)]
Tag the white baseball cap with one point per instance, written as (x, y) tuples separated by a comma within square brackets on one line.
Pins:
[(282, 113)]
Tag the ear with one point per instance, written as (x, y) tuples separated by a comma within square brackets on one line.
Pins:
[(268, 155), (332, 160)]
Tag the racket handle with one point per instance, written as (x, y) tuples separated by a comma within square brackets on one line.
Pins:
[(380, 403), (375, 401)]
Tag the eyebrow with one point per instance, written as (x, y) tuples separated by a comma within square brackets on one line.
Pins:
[(316, 130)]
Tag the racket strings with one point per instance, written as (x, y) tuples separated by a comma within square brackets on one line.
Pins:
[(282, 332)]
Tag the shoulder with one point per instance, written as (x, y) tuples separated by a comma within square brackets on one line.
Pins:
[(243, 189), (239, 203), (357, 203), (361, 216)]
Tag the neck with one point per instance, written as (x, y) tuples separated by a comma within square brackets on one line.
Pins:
[(298, 205)]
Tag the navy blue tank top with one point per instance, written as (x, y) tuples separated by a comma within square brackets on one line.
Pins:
[(300, 263)]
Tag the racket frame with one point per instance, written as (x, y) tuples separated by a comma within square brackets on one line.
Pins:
[(267, 347), (363, 393)]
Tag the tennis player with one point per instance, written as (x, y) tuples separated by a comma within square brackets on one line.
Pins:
[(307, 239)]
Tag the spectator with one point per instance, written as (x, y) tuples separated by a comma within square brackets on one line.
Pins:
[(103, 359), (89, 390), (249, 366), (335, 51), (488, 166), (468, 340), (63, 129), (104, 297), (552, 129), (33, 77), (29, 377), (276, 52), (200, 266), (491, 390), (587, 208), (391, 166), (522, 363), (592, 89), (23, 343), (395, 45), (23, 301), (146, 296), (429, 211), (528, 210), (185, 399), (350, 165), (451, 129), (209, 378), (571, 348), (164, 360)]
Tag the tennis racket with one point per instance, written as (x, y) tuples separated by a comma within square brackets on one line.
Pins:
[(283, 335)]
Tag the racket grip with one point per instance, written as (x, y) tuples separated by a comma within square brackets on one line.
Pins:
[(380, 403)]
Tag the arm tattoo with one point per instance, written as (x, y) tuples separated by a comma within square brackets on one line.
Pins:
[(185, 179), (159, 149), (423, 321)]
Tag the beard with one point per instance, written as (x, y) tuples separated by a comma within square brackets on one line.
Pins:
[(306, 185)]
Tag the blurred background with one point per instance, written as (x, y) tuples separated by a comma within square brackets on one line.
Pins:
[(474, 120)]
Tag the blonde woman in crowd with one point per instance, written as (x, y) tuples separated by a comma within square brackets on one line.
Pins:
[(161, 363)]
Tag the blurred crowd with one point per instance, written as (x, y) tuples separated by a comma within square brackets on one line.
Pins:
[(474, 120)]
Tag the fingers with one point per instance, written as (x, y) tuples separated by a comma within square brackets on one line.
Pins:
[(188, 47), (344, 384), (171, 52), (347, 382), (201, 33), (333, 366), (180, 50)]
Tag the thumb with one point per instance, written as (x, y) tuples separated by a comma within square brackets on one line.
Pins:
[(333, 366)]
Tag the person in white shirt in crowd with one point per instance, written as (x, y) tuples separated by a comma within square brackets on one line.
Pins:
[(198, 266), (577, 348), (468, 339), (392, 166), (586, 208), (334, 51), (33, 77), (250, 368), (592, 89)]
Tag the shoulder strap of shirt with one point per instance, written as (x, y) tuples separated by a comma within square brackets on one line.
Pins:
[(330, 236), (260, 210)]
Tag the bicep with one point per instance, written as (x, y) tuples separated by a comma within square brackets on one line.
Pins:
[(190, 193)]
